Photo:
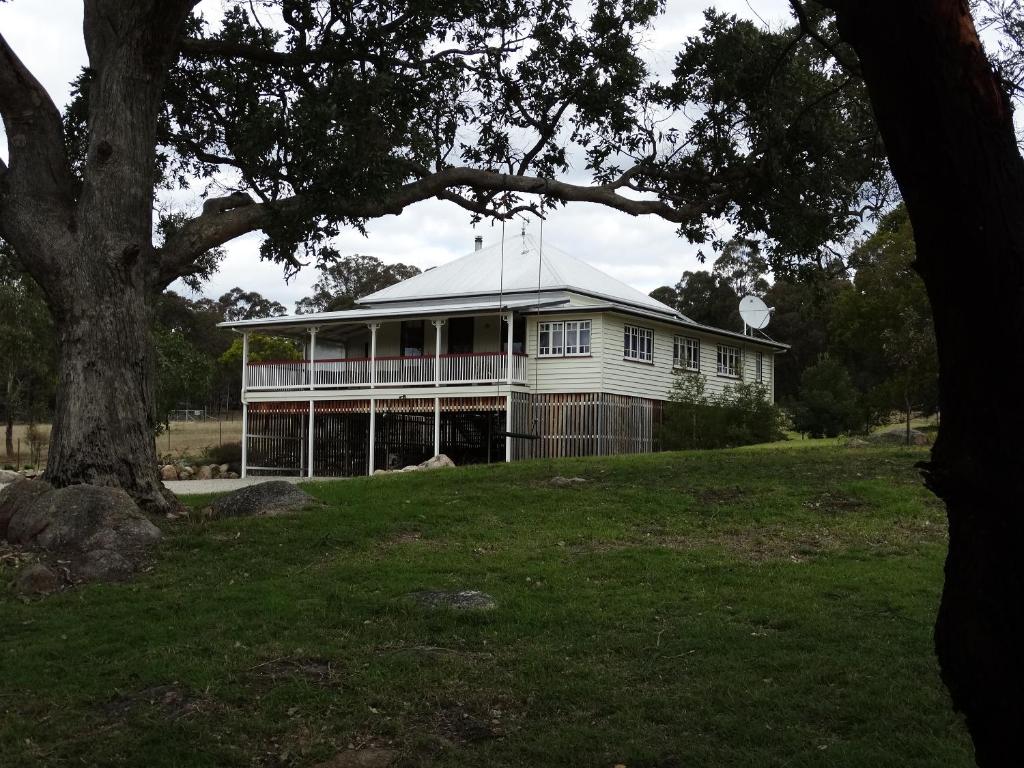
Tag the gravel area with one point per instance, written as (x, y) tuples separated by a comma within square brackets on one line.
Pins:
[(191, 487)]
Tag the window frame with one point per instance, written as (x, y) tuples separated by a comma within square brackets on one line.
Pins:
[(684, 344), (578, 346), (639, 334), (733, 352), (552, 327), (759, 367)]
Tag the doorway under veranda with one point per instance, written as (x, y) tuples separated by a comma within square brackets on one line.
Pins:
[(281, 436)]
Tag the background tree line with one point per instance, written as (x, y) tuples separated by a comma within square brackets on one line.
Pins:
[(198, 365), (859, 326)]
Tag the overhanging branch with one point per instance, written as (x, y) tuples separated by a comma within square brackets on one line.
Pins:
[(218, 225)]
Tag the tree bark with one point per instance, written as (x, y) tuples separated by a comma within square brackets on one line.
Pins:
[(948, 130), (9, 416)]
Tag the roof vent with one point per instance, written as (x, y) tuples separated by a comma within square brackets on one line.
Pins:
[(478, 242)]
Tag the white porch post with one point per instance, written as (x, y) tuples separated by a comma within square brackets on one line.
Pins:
[(312, 358), (245, 437), (245, 363), (437, 426), (508, 361), (310, 453), (373, 435), (245, 404), (373, 353), (438, 325), (508, 427)]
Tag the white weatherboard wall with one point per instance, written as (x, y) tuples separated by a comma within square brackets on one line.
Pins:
[(565, 374), (654, 379)]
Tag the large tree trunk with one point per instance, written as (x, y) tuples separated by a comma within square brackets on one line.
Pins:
[(949, 134), (103, 429)]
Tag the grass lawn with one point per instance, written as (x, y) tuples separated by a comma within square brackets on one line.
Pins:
[(755, 607)]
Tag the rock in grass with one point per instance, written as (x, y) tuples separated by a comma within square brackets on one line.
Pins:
[(100, 531), (16, 498), (261, 500), (437, 462), (464, 600), (36, 579)]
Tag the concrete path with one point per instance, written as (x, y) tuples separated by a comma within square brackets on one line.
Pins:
[(191, 487)]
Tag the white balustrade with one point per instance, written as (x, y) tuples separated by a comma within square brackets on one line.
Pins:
[(475, 368)]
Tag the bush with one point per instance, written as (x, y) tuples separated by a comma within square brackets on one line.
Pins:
[(742, 414), (829, 404), (229, 453)]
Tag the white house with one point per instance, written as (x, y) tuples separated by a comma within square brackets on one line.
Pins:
[(513, 351)]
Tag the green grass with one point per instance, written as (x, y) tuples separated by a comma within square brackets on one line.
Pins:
[(757, 607)]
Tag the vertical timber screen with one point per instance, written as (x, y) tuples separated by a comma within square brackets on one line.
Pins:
[(277, 438), (583, 424)]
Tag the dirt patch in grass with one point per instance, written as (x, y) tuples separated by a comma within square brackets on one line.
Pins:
[(168, 702), (724, 495), (313, 670), (767, 544), (833, 503)]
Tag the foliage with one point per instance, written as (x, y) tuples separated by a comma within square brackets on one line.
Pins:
[(228, 453), (742, 414), (183, 372), (295, 635), (829, 404), (882, 328), (262, 348), (28, 360), (352, 277), (237, 304)]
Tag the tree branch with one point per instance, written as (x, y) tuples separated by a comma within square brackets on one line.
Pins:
[(35, 134), (216, 226)]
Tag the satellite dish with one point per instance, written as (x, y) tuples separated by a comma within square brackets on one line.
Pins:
[(755, 313)]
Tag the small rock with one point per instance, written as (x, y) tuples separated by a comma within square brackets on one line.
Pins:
[(274, 498), (380, 472), (437, 462), (36, 579), (168, 472), (204, 473), (231, 476), (567, 482), (467, 599), (370, 757), (410, 468), (224, 469)]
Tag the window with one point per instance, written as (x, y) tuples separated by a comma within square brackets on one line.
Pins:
[(686, 353), (728, 361), (550, 340), (638, 344), (564, 339), (759, 366), (460, 335), (411, 338), (577, 337)]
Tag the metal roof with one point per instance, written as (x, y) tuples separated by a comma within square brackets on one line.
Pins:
[(423, 309), (517, 265)]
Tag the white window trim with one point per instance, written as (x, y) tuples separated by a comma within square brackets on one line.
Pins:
[(640, 333), (735, 353), (580, 351), (759, 367), (559, 325), (681, 343)]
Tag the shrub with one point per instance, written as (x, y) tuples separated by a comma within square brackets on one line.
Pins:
[(229, 453), (829, 404), (742, 414)]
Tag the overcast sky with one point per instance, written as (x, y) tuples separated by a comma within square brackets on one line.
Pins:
[(644, 252)]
